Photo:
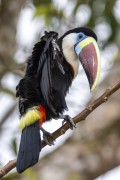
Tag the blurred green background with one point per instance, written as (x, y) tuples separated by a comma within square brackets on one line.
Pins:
[(103, 16)]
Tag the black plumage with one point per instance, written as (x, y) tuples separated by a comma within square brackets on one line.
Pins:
[(46, 82), (48, 76)]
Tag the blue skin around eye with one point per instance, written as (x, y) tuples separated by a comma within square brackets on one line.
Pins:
[(78, 39), (78, 49)]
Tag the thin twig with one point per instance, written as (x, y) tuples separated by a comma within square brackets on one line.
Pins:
[(80, 117)]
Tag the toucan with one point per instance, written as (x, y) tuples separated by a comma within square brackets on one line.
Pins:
[(51, 68)]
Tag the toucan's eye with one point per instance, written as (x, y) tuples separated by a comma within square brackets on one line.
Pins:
[(80, 37)]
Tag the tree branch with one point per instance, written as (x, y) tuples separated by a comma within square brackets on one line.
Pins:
[(82, 116)]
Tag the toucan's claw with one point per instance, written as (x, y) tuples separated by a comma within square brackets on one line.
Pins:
[(47, 135), (68, 119)]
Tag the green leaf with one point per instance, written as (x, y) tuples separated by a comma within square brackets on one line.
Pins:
[(14, 146), (49, 12), (41, 2)]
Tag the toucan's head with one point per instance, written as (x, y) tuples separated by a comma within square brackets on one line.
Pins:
[(80, 44)]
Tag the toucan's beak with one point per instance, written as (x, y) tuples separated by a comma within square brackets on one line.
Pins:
[(89, 56)]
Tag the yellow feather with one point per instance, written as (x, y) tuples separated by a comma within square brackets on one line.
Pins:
[(31, 116)]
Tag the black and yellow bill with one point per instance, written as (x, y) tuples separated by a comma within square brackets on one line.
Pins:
[(89, 56)]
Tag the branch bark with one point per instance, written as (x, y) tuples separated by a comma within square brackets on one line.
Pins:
[(80, 117)]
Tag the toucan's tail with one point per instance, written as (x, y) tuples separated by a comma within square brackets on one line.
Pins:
[(30, 147)]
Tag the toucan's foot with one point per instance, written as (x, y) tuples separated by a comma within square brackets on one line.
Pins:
[(47, 135), (68, 119)]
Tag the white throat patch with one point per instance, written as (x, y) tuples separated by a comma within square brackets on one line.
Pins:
[(68, 49)]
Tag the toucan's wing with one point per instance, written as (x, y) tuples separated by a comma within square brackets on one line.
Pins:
[(47, 59), (36, 54)]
